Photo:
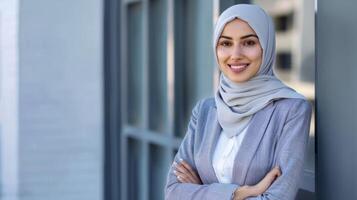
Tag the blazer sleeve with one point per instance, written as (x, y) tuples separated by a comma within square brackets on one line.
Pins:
[(290, 152), (175, 190)]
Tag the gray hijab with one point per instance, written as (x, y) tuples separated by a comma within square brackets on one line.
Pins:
[(238, 102)]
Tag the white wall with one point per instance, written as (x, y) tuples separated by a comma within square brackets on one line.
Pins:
[(56, 91), (8, 99)]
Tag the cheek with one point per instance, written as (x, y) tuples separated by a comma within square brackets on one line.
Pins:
[(255, 55), (222, 55)]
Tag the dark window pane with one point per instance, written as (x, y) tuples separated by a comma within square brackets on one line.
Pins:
[(283, 61), (284, 22)]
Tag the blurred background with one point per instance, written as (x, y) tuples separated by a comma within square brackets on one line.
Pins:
[(95, 95)]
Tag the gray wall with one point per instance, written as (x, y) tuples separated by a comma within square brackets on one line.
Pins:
[(60, 99), (336, 99)]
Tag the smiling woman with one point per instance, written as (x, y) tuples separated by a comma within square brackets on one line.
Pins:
[(249, 141)]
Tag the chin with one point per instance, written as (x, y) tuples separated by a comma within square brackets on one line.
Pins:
[(237, 79)]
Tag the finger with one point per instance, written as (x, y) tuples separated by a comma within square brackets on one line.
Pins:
[(198, 181), (195, 179), (189, 168), (186, 165), (184, 177), (178, 167), (181, 180), (182, 169), (275, 175), (185, 168), (191, 178), (277, 168), (277, 171)]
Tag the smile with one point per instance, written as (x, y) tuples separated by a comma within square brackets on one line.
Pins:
[(238, 68)]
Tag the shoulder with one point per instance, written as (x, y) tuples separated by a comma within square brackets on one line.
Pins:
[(293, 107), (203, 110), (292, 103), (207, 102)]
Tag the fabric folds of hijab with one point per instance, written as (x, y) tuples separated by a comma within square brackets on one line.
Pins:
[(238, 102)]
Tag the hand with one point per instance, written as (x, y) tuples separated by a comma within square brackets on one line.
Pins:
[(247, 191), (185, 173), (265, 183)]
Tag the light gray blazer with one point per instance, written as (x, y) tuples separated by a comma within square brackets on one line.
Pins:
[(277, 135)]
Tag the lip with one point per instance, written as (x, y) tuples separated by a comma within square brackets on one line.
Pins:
[(238, 68)]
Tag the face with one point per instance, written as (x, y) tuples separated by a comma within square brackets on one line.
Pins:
[(239, 52)]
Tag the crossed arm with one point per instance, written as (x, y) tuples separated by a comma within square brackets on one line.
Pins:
[(279, 184), (185, 174)]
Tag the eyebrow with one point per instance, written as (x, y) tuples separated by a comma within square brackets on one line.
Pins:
[(243, 37)]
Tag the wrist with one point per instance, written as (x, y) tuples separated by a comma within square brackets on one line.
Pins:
[(243, 192)]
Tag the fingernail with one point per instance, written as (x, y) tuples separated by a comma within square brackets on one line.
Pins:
[(175, 172), (178, 177), (181, 159), (175, 163)]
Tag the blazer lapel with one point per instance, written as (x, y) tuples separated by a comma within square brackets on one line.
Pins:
[(213, 131), (250, 143)]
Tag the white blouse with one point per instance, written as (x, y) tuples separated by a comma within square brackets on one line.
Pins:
[(224, 155)]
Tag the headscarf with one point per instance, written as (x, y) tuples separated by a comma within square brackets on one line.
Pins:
[(238, 102)]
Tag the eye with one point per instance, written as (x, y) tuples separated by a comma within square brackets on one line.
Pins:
[(249, 43), (225, 43)]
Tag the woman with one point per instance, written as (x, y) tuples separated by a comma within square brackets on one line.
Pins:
[(249, 141)]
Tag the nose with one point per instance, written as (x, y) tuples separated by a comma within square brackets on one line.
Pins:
[(236, 52)]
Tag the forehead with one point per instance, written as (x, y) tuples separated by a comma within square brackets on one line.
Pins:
[(237, 27)]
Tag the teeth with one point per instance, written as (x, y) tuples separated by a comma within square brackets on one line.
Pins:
[(238, 66)]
